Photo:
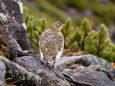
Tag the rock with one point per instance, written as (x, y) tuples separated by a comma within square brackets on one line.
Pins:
[(95, 79), (94, 71), (49, 76), (111, 74), (85, 60), (2, 73), (30, 71), (82, 69), (12, 23)]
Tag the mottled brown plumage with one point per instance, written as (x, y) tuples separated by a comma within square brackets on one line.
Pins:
[(51, 42)]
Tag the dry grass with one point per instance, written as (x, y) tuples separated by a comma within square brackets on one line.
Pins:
[(113, 65), (69, 52)]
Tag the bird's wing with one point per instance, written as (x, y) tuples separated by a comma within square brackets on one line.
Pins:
[(43, 38), (60, 40)]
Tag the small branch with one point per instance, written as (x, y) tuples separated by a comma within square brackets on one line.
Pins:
[(98, 47), (79, 45), (83, 42), (33, 41), (98, 50)]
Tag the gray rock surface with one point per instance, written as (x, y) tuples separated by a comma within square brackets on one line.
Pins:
[(2, 73), (12, 23), (30, 71), (111, 74), (49, 76), (94, 71), (95, 79), (85, 60), (93, 75)]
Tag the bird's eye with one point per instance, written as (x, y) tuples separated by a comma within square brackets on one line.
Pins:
[(57, 25)]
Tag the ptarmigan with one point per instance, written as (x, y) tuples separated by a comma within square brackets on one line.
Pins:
[(51, 43)]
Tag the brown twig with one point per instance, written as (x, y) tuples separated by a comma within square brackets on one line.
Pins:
[(33, 41), (83, 42)]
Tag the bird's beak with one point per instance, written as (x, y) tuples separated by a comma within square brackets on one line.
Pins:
[(63, 26)]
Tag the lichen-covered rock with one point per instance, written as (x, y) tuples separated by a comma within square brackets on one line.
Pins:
[(85, 60), (12, 23), (94, 71), (30, 71), (49, 76), (95, 79), (111, 74), (81, 70), (2, 73), (78, 69)]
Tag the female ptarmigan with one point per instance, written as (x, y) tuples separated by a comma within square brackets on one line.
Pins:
[(51, 43)]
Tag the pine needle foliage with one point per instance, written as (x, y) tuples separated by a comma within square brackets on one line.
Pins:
[(68, 32), (84, 29), (34, 29), (99, 43)]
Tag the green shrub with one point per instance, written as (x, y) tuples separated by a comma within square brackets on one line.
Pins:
[(34, 29)]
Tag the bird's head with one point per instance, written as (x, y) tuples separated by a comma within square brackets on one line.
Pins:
[(58, 25)]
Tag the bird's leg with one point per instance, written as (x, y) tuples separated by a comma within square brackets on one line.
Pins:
[(43, 59), (57, 58), (54, 63), (41, 56), (46, 61)]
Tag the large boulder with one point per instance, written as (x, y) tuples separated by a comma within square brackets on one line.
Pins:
[(48, 75), (13, 26)]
